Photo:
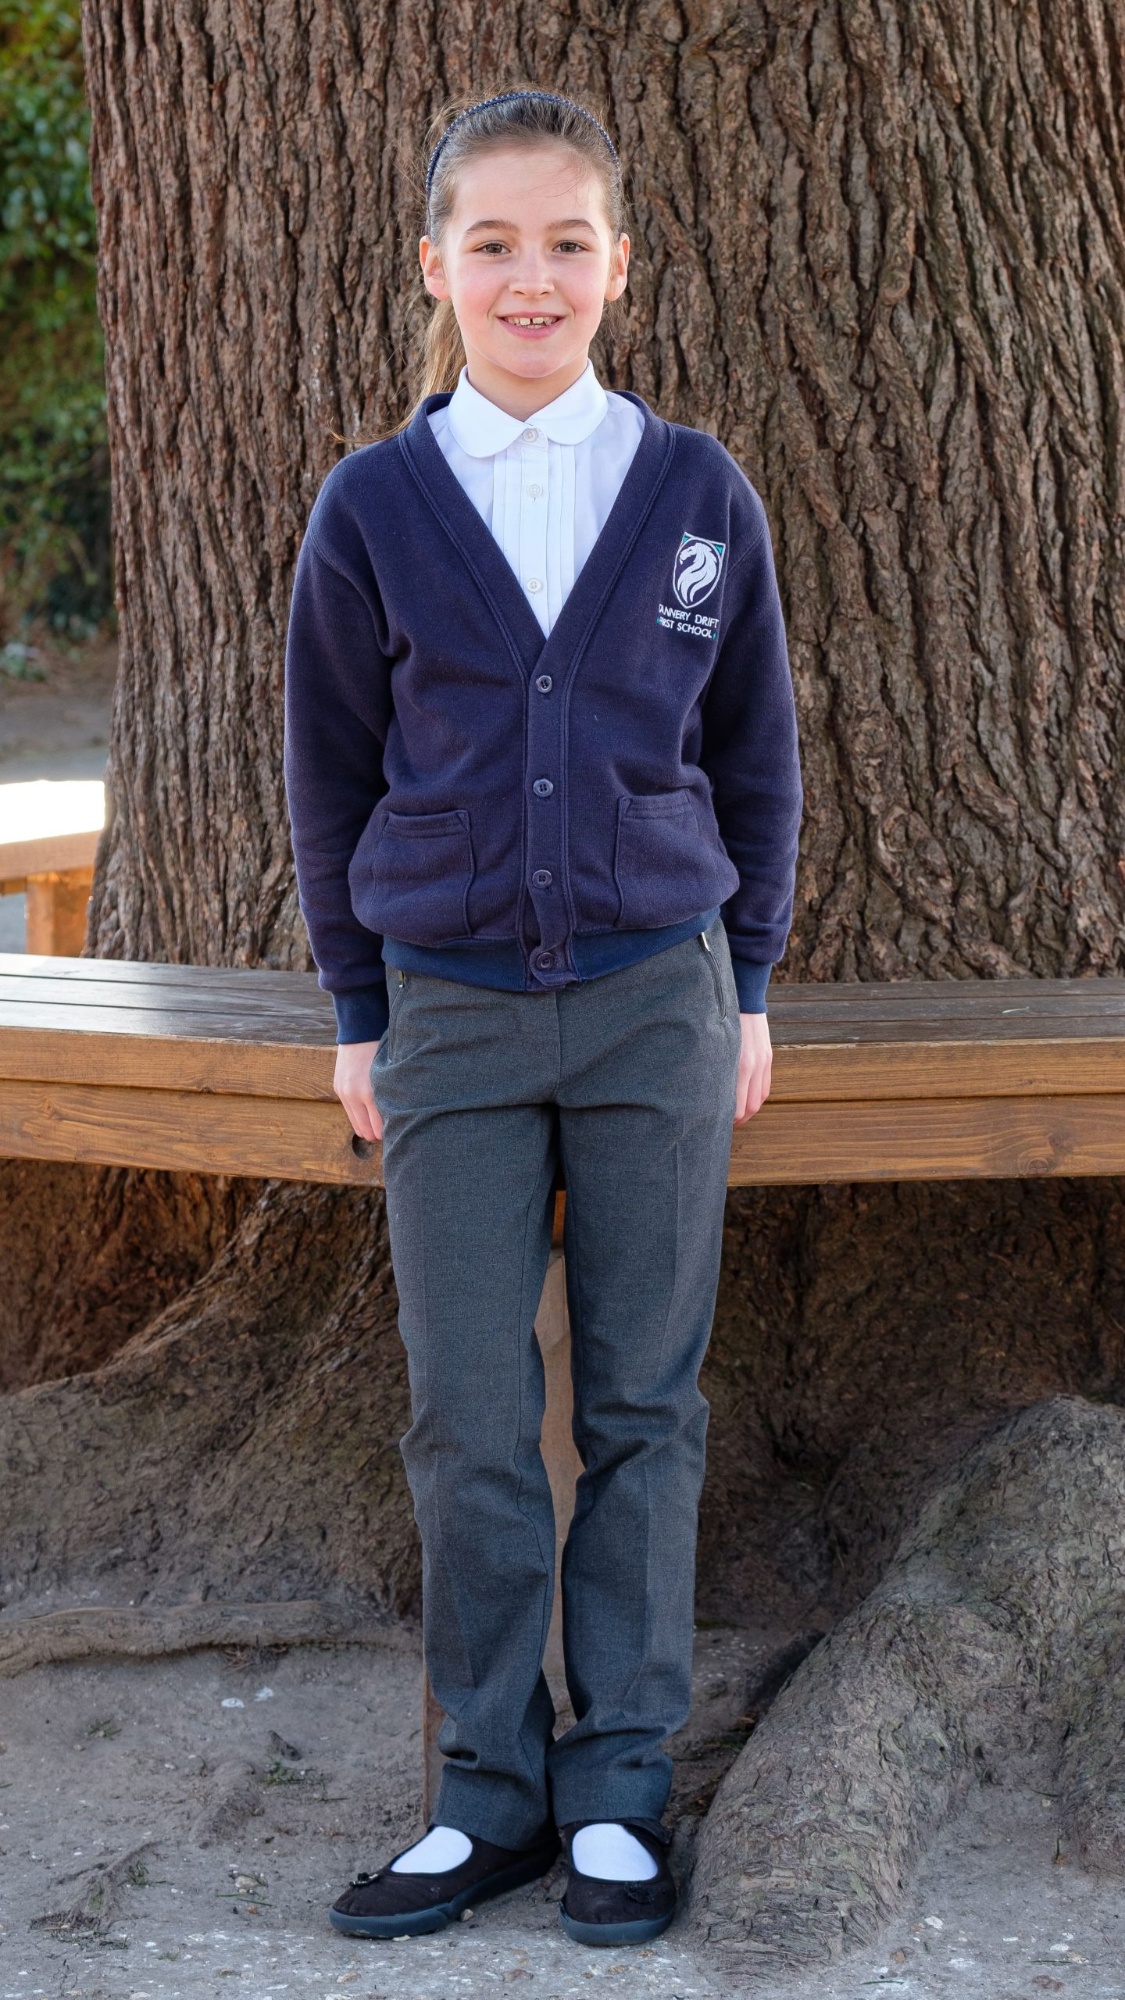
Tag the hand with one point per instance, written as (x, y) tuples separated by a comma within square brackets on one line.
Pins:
[(754, 1067), (352, 1084)]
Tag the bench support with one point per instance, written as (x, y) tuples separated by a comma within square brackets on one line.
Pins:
[(56, 912), (57, 901)]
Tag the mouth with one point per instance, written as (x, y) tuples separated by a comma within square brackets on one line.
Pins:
[(530, 322)]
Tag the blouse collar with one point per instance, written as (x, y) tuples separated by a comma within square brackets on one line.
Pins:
[(482, 429)]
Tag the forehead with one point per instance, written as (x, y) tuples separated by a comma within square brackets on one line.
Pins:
[(525, 183)]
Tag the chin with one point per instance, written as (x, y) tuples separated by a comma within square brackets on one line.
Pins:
[(533, 361)]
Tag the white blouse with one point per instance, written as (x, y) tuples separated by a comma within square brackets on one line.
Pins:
[(544, 485)]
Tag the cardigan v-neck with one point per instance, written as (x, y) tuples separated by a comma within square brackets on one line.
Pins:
[(489, 566), (542, 484)]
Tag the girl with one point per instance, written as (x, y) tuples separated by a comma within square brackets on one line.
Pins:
[(542, 770)]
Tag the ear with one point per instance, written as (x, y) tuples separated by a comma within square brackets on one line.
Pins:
[(618, 269), (433, 270)]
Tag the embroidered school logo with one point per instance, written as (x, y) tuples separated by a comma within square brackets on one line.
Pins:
[(697, 569)]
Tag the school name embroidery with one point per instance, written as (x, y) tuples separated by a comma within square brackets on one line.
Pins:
[(693, 625)]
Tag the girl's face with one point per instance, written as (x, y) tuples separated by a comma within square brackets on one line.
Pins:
[(528, 259)]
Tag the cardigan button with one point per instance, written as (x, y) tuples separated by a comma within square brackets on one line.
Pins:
[(544, 683), (544, 960), (542, 788), (542, 878)]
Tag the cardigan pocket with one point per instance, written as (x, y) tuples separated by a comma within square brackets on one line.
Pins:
[(413, 883), (663, 867)]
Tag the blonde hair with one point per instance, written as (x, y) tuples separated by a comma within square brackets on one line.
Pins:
[(522, 117)]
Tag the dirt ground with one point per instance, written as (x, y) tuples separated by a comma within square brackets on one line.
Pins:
[(219, 1802), (177, 1829)]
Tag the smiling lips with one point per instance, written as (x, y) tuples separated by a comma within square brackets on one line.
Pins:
[(531, 322)]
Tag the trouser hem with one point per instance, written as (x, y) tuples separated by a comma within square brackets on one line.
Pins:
[(610, 1802), (489, 1811)]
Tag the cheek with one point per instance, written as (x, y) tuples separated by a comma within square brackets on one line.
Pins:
[(584, 286), (474, 289)]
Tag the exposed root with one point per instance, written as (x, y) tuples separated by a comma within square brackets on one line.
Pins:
[(997, 1633), (151, 1631), (88, 1918)]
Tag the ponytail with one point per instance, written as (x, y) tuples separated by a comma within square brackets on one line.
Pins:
[(443, 353)]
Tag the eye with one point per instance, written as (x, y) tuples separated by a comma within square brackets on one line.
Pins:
[(489, 247), (570, 245)]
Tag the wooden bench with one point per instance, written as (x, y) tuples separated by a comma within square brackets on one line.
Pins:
[(231, 1072), (226, 1071), (49, 832)]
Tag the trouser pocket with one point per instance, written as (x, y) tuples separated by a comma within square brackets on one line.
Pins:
[(716, 975)]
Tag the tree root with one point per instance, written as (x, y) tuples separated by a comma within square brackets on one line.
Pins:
[(996, 1635), (87, 1919), (154, 1631)]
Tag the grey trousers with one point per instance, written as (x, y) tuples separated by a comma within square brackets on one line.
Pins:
[(628, 1080)]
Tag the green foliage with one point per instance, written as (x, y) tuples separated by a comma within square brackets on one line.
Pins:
[(54, 473)]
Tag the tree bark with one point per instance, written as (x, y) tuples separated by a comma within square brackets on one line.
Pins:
[(880, 253)]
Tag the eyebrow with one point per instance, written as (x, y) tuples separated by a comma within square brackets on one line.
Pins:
[(571, 222)]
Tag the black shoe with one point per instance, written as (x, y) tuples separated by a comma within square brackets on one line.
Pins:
[(593, 1911), (386, 1905)]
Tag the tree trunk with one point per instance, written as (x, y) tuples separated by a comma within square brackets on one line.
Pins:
[(879, 252)]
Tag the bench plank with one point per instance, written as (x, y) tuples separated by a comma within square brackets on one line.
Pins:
[(144, 1060), (292, 1138), (181, 1131), (264, 1052), (930, 1139)]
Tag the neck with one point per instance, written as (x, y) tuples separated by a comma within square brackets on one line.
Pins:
[(515, 394)]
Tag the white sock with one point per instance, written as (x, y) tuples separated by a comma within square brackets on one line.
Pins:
[(444, 1847), (612, 1853)]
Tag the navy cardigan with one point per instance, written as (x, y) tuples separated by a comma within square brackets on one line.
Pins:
[(535, 810)]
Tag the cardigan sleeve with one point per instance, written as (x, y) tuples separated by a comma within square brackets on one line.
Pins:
[(750, 753), (337, 707)]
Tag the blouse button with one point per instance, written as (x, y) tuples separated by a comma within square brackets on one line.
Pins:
[(531, 435), (544, 683), (533, 492), (534, 583)]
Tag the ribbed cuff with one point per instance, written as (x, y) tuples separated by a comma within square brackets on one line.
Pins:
[(751, 980), (362, 1015)]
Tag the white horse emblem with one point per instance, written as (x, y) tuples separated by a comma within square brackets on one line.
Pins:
[(697, 569)]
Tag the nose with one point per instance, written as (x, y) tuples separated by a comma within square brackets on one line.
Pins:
[(533, 277)]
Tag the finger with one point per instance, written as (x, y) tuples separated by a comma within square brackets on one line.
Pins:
[(371, 1109), (359, 1117), (373, 1114), (755, 1094)]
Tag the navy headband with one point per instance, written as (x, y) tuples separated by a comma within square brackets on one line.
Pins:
[(505, 97)]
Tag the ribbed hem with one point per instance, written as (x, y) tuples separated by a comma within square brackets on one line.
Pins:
[(503, 964), (751, 980), (362, 1015)]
